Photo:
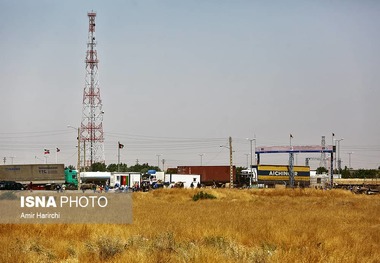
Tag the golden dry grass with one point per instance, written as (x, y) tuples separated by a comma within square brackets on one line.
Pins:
[(238, 226)]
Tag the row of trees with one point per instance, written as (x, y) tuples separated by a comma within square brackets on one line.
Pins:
[(122, 167), (361, 173), (349, 173)]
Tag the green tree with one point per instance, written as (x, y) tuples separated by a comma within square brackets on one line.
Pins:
[(321, 170), (141, 168), (113, 167), (365, 173), (98, 167), (70, 167), (346, 173), (123, 167)]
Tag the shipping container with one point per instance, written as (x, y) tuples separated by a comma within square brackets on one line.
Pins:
[(210, 174), (36, 173)]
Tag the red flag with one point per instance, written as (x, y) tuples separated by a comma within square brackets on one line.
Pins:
[(121, 146), (58, 150), (46, 151)]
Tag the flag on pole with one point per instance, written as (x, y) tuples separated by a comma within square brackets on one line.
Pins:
[(121, 146), (58, 150), (291, 136), (46, 151), (333, 134)]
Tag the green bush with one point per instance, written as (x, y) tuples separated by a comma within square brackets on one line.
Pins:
[(202, 195)]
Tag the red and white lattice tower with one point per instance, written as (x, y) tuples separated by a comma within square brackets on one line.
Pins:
[(92, 140)]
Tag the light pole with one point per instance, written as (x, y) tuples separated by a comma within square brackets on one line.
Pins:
[(349, 160), (158, 160), (291, 162), (201, 155), (253, 154), (163, 164), (247, 154), (38, 158), (231, 163), (78, 161), (339, 161), (12, 157)]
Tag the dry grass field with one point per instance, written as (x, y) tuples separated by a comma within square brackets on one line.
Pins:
[(238, 226)]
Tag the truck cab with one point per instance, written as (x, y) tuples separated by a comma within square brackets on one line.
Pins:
[(71, 179)]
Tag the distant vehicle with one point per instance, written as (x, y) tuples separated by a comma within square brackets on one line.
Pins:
[(11, 185), (43, 176), (156, 185), (71, 179), (145, 185)]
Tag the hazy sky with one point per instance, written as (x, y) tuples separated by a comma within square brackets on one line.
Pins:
[(177, 78)]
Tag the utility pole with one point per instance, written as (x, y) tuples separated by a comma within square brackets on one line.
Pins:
[(231, 165), (322, 162), (291, 162), (158, 160), (334, 144), (119, 146), (332, 162), (201, 155), (12, 157), (163, 165), (339, 161), (84, 157), (247, 154), (78, 160), (349, 160), (118, 156), (253, 155)]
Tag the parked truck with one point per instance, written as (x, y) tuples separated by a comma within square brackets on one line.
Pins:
[(272, 175), (42, 176), (210, 175)]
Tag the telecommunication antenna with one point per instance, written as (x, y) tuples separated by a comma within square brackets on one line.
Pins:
[(323, 162), (91, 134)]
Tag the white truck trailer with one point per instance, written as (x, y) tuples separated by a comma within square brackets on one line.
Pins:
[(186, 179)]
